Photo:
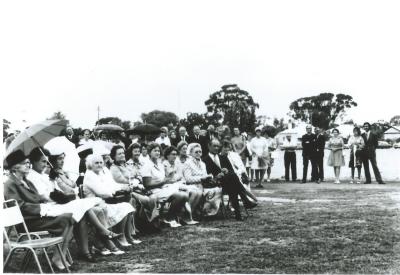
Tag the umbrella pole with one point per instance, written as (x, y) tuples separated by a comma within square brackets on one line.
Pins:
[(40, 149), (46, 157)]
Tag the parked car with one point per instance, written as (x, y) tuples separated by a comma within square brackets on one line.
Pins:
[(384, 144), (396, 145)]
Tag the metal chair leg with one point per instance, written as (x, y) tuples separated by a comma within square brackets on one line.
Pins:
[(48, 260), (62, 258), (27, 260), (8, 258), (36, 260)]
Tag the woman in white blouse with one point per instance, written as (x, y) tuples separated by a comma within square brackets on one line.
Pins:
[(174, 173), (260, 156), (98, 182), (154, 179), (356, 143)]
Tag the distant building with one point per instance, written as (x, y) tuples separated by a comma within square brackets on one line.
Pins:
[(393, 134)]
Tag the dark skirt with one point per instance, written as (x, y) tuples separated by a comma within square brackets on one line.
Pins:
[(358, 162), (54, 225)]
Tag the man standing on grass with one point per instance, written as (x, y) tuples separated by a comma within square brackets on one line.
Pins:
[(371, 142), (289, 146), (308, 143), (319, 155)]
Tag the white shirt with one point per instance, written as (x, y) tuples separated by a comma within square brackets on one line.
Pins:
[(287, 143), (42, 183), (154, 171), (215, 158), (160, 140)]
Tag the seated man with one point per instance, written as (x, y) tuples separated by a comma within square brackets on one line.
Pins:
[(221, 168), (17, 187)]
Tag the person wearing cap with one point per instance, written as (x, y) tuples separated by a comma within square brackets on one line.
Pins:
[(369, 154), (163, 139), (289, 145), (32, 204), (308, 144), (259, 154)]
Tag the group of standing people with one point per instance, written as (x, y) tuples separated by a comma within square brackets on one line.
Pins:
[(362, 153)]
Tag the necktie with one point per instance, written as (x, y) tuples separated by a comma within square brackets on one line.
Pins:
[(216, 160)]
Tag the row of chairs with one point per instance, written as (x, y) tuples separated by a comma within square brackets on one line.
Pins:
[(31, 242)]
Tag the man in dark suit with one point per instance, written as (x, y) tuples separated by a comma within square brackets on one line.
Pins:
[(197, 138), (308, 143), (182, 135), (70, 135), (319, 155), (222, 170), (369, 154)]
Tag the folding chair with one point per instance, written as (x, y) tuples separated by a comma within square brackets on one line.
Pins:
[(12, 216)]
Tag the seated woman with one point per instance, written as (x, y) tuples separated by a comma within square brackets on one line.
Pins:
[(98, 182), (173, 173), (182, 150), (195, 174), (163, 190), (124, 174), (32, 205), (83, 210)]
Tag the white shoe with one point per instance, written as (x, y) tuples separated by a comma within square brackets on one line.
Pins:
[(103, 251), (351, 181), (175, 224), (117, 252), (136, 241), (268, 180), (358, 181), (192, 222)]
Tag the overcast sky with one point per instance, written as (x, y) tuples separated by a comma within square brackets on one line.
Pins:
[(130, 57)]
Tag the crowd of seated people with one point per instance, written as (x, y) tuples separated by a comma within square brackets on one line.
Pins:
[(132, 187)]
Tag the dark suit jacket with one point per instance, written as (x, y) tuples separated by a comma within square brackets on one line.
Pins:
[(74, 139), (211, 167), (370, 144), (28, 199), (179, 139), (202, 140), (308, 143), (319, 145)]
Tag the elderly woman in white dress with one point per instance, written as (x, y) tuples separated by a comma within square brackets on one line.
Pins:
[(195, 174), (98, 182), (260, 156)]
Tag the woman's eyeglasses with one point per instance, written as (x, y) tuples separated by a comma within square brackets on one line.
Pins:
[(198, 152)]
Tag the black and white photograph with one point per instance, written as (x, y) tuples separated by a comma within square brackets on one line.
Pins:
[(200, 137)]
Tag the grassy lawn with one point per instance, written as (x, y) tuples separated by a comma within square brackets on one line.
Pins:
[(297, 228)]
